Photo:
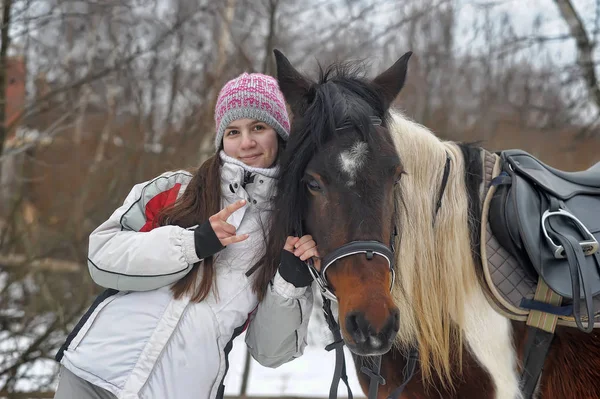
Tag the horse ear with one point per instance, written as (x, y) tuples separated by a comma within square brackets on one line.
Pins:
[(391, 81), (295, 87)]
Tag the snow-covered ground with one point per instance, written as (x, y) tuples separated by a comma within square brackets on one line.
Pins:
[(310, 375)]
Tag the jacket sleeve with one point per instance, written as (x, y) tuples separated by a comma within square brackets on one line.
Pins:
[(278, 331), (128, 253)]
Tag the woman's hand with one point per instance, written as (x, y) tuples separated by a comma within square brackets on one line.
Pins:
[(296, 251), (225, 232), (304, 248)]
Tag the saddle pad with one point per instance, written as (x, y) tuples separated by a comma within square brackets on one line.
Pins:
[(506, 279)]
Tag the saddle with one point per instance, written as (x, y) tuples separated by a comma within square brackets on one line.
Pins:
[(548, 220)]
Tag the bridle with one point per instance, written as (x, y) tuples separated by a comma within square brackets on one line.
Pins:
[(369, 249)]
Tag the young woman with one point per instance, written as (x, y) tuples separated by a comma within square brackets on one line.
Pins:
[(175, 259)]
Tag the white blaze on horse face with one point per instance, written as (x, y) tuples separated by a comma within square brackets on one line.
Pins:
[(352, 160)]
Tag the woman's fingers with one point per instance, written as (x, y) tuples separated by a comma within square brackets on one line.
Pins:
[(303, 240), (290, 242), (234, 239), (225, 232), (230, 209), (227, 228), (310, 253), (304, 247), (222, 229)]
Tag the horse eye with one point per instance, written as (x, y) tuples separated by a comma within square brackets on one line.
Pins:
[(313, 185)]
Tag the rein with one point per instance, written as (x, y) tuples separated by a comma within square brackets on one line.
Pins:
[(370, 249)]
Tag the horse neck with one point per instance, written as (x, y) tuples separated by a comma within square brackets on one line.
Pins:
[(419, 149), (435, 247)]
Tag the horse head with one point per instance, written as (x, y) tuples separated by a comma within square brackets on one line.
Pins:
[(339, 173)]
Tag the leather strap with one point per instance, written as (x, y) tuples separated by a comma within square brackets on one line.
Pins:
[(540, 331), (536, 349), (337, 344), (408, 373), (577, 268), (541, 325), (445, 176), (375, 376)]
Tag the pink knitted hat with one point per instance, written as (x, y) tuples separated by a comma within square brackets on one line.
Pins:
[(251, 96)]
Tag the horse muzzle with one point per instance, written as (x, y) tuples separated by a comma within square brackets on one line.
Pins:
[(365, 339)]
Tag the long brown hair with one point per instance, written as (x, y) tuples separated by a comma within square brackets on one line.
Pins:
[(201, 200)]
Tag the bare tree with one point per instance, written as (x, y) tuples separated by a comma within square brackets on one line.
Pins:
[(4, 46)]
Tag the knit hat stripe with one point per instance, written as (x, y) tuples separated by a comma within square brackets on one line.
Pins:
[(250, 113)]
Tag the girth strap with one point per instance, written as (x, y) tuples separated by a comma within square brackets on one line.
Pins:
[(540, 324), (536, 349), (540, 331)]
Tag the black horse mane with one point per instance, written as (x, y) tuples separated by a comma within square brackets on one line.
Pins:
[(342, 96)]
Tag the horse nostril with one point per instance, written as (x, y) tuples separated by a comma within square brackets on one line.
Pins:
[(392, 325), (357, 326), (351, 324), (396, 319)]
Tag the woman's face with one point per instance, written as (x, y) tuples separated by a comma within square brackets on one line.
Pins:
[(252, 142)]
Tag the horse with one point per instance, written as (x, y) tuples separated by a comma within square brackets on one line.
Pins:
[(355, 170)]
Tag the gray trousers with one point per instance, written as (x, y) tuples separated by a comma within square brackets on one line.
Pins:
[(71, 386)]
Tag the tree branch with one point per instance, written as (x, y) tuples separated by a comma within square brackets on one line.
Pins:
[(585, 47), (267, 66), (107, 71), (6, 8)]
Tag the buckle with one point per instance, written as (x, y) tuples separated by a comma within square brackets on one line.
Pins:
[(373, 375), (326, 292), (589, 245), (322, 283)]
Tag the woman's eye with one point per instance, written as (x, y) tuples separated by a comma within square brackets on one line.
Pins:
[(232, 132), (259, 127)]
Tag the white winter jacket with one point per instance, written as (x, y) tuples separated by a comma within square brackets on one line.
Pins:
[(136, 341)]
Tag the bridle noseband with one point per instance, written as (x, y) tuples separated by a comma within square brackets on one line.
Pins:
[(369, 248)]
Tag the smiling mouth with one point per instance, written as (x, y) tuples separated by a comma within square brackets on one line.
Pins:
[(250, 157)]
